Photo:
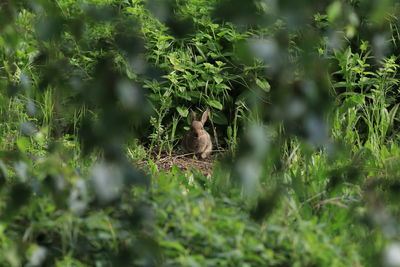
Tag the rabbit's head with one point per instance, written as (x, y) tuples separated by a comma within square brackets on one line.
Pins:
[(198, 125)]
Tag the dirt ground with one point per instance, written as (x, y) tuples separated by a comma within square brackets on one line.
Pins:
[(184, 162)]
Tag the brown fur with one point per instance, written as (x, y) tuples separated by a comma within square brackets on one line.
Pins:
[(197, 140)]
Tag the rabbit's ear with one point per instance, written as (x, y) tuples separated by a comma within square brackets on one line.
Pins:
[(204, 117), (193, 114)]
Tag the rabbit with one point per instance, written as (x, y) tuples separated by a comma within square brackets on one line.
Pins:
[(197, 140)]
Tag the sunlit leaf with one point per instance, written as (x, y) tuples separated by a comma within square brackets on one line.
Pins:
[(214, 103), (182, 111)]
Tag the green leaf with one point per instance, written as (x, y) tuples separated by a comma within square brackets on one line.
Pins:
[(174, 61), (215, 104), (218, 80), (23, 144), (333, 11), (357, 99), (182, 111), (172, 245), (263, 84), (185, 95), (208, 65)]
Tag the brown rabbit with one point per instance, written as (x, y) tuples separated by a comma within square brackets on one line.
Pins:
[(197, 140)]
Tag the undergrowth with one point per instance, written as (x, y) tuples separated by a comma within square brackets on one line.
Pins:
[(303, 102)]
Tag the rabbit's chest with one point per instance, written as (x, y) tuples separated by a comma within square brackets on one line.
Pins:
[(194, 143)]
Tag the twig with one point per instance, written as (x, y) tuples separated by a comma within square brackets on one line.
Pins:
[(313, 197), (190, 154), (333, 201), (179, 156)]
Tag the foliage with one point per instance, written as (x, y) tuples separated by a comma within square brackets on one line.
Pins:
[(303, 97)]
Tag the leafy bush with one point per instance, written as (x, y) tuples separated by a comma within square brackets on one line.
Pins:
[(303, 97)]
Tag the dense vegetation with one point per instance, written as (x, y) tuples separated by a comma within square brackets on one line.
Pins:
[(303, 101)]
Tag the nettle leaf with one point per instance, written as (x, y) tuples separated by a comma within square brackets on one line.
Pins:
[(221, 87), (182, 111), (215, 104), (218, 80), (263, 84), (185, 95), (200, 59), (358, 99), (174, 61), (192, 85), (353, 100), (208, 65), (219, 63), (214, 55)]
